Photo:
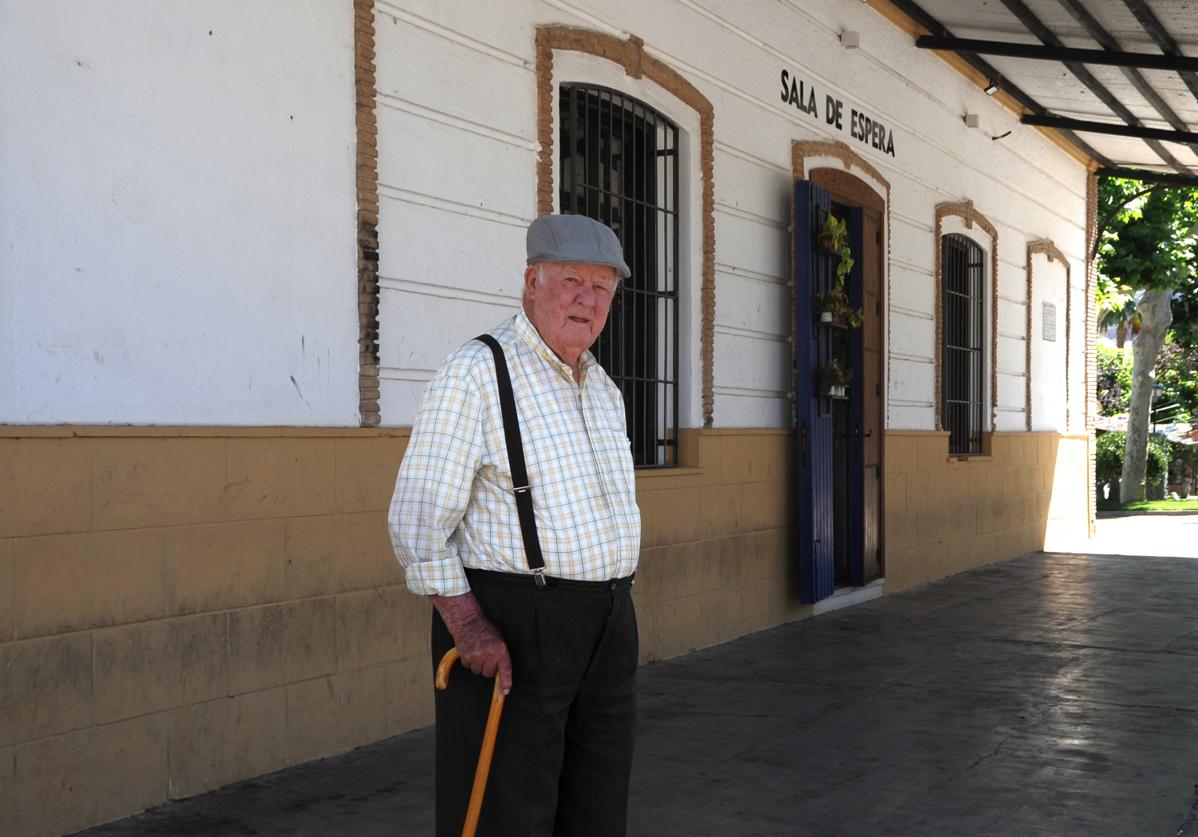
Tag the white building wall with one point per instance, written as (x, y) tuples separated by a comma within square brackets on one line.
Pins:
[(458, 152), (177, 241), (183, 203), (1011, 362), (457, 184)]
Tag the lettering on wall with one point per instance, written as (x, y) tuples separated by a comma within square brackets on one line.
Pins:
[(799, 94)]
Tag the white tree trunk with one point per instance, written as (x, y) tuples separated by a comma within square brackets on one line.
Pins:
[(1156, 316)]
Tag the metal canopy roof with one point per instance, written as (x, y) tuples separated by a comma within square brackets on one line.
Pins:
[(1118, 79)]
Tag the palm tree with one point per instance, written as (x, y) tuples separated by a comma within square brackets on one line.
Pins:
[(1117, 310)]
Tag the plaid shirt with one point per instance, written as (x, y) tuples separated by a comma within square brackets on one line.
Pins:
[(453, 504)]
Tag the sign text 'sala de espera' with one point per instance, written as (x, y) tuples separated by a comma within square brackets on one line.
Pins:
[(800, 95)]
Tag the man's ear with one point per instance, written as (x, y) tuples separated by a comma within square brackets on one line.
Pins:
[(530, 277)]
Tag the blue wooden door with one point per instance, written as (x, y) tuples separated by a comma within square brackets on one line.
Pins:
[(832, 511), (813, 414)]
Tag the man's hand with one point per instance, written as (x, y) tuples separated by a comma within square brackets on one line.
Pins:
[(482, 649)]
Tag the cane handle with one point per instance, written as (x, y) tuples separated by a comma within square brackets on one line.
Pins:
[(443, 667)]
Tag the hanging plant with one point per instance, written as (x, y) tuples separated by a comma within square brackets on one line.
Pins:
[(834, 309), (833, 306), (833, 233), (833, 380), (834, 238)]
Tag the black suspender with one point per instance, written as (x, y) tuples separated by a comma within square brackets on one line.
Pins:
[(515, 455)]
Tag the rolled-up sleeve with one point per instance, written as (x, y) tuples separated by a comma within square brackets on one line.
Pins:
[(434, 483)]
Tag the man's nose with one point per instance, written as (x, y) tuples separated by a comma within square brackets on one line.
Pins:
[(586, 296)]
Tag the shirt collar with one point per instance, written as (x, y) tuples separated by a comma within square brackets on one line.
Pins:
[(528, 332)]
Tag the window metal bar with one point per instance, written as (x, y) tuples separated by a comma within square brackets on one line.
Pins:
[(963, 328), (628, 156)]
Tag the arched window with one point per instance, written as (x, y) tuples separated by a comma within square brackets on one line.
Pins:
[(963, 354), (619, 164)]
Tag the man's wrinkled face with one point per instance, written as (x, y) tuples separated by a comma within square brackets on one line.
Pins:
[(568, 303)]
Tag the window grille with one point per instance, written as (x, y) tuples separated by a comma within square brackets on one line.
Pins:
[(619, 165), (963, 358)]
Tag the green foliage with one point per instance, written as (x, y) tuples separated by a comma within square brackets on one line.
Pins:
[(836, 302), (836, 232), (1150, 506), (834, 236), (1160, 454), (1114, 381), (1176, 367), (1109, 456), (1175, 371), (1149, 240), (1185, 316), (1185, 456), (833, 374)]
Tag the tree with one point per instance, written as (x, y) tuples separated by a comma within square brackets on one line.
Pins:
[(1148, 246)]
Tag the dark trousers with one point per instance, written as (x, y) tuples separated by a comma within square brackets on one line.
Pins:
[(564, 750)]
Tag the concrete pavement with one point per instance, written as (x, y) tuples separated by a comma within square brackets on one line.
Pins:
[(1054, 694)]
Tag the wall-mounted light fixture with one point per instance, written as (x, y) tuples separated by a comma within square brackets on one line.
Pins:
[(991, 87), (971, 120), (850, 39)]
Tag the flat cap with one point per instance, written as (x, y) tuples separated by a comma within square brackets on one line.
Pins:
[(574, 238)]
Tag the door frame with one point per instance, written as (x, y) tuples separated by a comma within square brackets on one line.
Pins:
[(849, 190), (855, 181)]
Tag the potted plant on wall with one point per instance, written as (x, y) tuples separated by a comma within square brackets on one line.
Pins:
[(833, 306), (833, 380), (834, 309)]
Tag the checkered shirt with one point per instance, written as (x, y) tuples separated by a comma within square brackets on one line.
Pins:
[(453, 505)]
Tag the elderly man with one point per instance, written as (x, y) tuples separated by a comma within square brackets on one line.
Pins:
[(562, 638)]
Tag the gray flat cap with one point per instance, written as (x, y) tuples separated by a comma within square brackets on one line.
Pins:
[(574, 238)]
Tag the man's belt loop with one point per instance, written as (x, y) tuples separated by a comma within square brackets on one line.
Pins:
[(515, 455)]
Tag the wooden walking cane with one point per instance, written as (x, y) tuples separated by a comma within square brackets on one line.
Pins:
[(484, 755)]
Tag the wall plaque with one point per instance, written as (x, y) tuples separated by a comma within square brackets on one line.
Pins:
[(1049, 329)]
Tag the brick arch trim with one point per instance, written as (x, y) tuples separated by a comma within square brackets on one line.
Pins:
[(630, 54), (1090, 331), (965, 210), (1045, 247), (801, 151), (367, 193)]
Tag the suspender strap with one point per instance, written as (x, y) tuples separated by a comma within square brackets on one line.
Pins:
[(515, 455)]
